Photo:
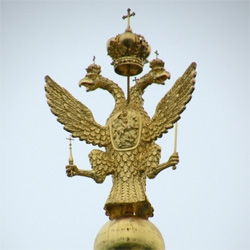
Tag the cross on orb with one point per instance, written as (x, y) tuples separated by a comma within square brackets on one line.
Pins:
[(128, 16), (157, 54)]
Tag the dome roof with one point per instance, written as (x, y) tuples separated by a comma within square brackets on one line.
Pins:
[(129, 233)]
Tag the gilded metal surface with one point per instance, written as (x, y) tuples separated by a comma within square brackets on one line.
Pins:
[(131, 154), (129, 51), (129, 135), (129, 233)]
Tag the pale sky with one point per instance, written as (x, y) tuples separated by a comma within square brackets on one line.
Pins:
[(202, 205)]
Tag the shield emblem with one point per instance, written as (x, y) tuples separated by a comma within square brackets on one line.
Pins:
[(125, 130)]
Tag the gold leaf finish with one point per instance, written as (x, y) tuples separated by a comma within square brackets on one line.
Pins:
[(131, 154), (129, 233)]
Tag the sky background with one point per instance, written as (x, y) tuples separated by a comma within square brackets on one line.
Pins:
[(202, 205)]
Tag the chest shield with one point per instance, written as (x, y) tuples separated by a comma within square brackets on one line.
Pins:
[(125, 130)]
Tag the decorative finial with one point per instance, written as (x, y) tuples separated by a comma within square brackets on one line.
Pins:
[(94, 59), (157, 54), (71, 160), (128, 16)]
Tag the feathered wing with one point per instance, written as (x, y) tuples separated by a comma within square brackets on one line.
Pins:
[(75, 116), (171, 106)]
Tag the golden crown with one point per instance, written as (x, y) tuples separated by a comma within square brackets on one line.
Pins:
[(93, 68), (156, 63), (129, 51)]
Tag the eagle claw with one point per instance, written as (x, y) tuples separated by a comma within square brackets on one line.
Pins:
[(71, 170)]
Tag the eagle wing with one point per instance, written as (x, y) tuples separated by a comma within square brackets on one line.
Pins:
[(171, 106), (75, 116)]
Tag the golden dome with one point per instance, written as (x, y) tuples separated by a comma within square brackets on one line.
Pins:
[(129, 233)]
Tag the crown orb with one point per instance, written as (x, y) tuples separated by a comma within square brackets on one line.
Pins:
[(128, 39)]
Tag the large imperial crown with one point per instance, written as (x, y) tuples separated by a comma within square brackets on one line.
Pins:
[(129, 51)]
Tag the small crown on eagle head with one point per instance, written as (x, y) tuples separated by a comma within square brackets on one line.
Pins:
[(93, 69), (156, 63), (129, 51)]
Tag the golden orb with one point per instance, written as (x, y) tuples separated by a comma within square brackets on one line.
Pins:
[(130, 233), (128, 39)]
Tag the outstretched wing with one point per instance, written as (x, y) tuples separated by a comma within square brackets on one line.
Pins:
[(171, 106), (76, 117)]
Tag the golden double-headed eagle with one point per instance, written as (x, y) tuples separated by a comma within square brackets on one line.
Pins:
[(131, 154)]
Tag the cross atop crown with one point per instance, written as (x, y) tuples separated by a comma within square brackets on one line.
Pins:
[(157, 54), (128, 16)]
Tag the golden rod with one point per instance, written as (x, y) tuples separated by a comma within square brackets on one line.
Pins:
[(128, 89), (175, 136), (175, 141)]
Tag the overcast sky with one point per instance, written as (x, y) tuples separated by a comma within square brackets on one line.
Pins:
[(202, 205)]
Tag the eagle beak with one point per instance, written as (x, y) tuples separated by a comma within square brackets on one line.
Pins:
[(162, 77), (86, 82)]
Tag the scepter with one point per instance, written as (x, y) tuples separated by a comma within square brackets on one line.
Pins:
[(175, 140), (71, 160)]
